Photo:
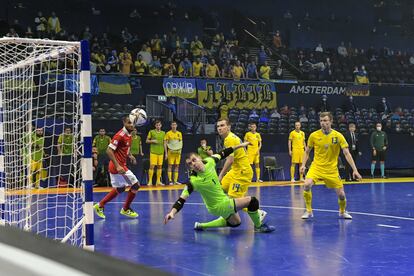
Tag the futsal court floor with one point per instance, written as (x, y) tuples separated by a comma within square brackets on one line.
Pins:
[(378, 241)]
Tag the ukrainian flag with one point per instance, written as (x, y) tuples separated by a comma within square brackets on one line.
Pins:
[(112, 84)]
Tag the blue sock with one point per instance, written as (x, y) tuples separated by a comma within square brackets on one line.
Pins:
[(372, 168), (382, 166)]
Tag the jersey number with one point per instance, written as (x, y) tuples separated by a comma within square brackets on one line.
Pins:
[(236, 187)]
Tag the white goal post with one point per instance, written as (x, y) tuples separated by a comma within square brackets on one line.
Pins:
[(46, 173)]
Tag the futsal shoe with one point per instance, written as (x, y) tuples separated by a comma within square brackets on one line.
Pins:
[(129, 213), (345, 215), (307, 215), (259, 181), (197, 226), (292, 180), (171, 183), (264, 228), (262, 214), (99, 211)]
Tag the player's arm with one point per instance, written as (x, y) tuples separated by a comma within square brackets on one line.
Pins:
[(179, 204), (305, 158), (290, 146), (230, 159), (59, 145), (140, 149), (351, 162), (150, 140), (166, 149), (385, 141), (110, 152)]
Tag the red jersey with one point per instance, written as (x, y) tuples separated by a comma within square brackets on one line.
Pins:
[(120, 143)]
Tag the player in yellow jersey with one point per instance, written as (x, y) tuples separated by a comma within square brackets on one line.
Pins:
[(156, 140), (327, 144), (296, 145), (236, 181), (253, 150), (173, 143)]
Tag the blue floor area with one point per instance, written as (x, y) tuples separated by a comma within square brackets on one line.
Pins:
[(378, 241)]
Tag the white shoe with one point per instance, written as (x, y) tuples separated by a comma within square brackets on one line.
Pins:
[(292, 180), (260, 181), (345, 215), (197, 226), (262, 214), (307, 215)]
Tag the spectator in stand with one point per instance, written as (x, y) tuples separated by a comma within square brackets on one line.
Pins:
[(254, 116), (411, 60), (140, 66), (197, 68), (350, 50), (279, 69), (126, 36), (155, 45), (342, 119), (342, 50), (303, 118), (262, 56), (265, 71), (155, 67), (212, 70), (125, 59), (312, 114), (145, 54), (285, 110), (12, 33), (275, 114), (196, 47), (319, 48), (113, 61), (99, 59), (277, 40), (361, 76), (264, 116), (163, 55), (185, 44), (323, 105), (169, 68), (350, 105), (185, 68), (238, 71), (135, 14), (53, 24), (41, 24), (383, 106), (251, 70), (177, 56), (227, 69)]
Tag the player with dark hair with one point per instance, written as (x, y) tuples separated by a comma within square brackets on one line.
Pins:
[(204, 179), (121, 177)]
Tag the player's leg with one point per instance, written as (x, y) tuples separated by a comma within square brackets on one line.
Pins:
[(177, 160), (160, 160), (153, 161), (126, 209), (307, 192), (252, 204), (118, 186), (226, 181), (373, 162), (38, 173), (382, 163), (169, 171), (300, 156), (257, 167), (340, 192)]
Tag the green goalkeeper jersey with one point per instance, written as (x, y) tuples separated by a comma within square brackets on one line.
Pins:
[(207, 183)]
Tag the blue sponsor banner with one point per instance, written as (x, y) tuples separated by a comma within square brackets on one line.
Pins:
[(67, 82), (176, 87)]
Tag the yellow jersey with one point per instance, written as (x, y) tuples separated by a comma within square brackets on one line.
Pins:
[(171, 135), (265, 72), (254, 139), (297, 138), (197, 69), (238, 71), (241, 162), (326, 150), (212, 70)]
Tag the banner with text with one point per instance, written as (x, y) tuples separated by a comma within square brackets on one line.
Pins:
[(341, 89), (183, 88), (240, 94)]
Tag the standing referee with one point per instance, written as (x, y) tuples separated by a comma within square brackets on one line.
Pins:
[(379, 144)]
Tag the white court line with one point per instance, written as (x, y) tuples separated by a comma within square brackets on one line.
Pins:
[(388, 226), (277, 207)]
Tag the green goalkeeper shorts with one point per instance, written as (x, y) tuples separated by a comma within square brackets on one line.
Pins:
[(224, 209)]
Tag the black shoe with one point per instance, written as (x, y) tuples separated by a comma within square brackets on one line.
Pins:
[(383, 177)]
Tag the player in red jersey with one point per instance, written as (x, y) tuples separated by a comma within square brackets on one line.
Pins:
[(121, 176)]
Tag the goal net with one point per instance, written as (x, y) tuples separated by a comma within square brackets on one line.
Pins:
[(45, 143)]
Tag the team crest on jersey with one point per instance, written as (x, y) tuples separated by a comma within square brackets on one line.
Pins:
[(334, 140), (115, 142)]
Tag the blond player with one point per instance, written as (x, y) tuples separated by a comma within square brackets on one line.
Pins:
[(173, 156), (327, 144), (253, 149), (156, 140), (296, 145)]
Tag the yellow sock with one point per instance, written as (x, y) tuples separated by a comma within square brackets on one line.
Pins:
[(170, 176), (342, 205), (257, 173), (292, 171), (37, 183), (175, 176), (159, 172), (307, 195), (150, 176)]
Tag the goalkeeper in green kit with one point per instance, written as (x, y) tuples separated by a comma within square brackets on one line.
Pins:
[(204, 180)]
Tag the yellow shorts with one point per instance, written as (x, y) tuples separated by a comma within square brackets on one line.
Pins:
[(254, 158), (236, 184), (332, 180), (156, 159), (297, 155), (174, 158)]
